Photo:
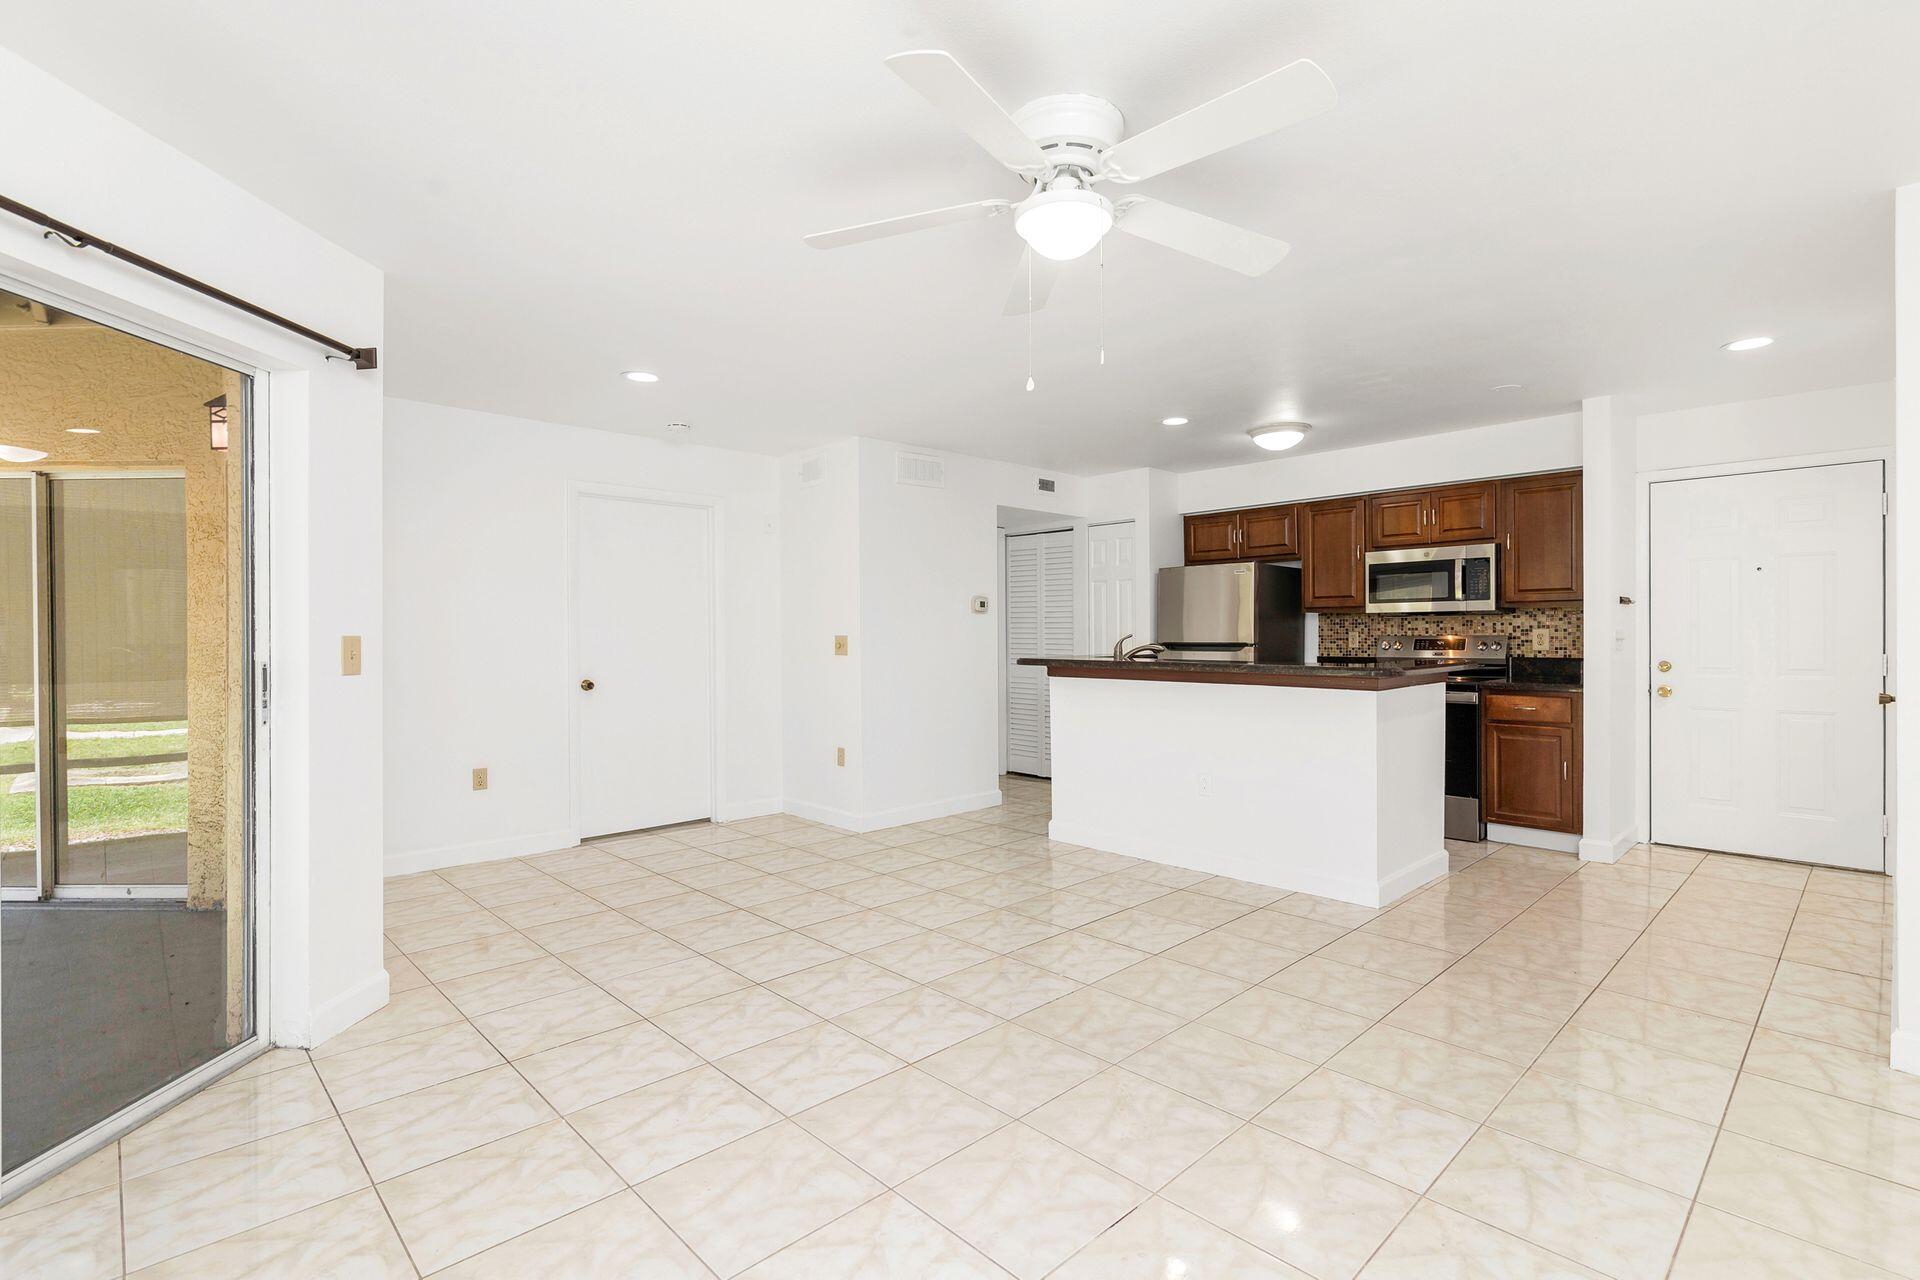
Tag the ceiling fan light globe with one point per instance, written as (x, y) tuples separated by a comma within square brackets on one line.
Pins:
[(1064, 225)]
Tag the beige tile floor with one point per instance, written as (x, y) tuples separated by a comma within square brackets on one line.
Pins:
[(955, 1049)]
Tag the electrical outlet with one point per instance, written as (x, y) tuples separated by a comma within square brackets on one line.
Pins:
[(1206, 786), (480, 779), (840, 756), (839, 646), (349, 655), (1541, 640)]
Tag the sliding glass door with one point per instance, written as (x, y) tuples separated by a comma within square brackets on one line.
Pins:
[(126, 718)]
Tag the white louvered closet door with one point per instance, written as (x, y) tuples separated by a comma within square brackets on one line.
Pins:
[(1041, 582)]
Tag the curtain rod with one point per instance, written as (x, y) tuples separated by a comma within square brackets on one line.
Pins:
[(73, 237)]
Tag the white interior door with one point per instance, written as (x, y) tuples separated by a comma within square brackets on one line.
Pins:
[(1041, 586), (1110, 585), (644, 641), (1767, 601)]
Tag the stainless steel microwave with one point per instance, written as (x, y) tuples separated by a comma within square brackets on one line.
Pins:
[(1433, 579)]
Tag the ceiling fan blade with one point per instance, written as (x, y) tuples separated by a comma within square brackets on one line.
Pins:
[(910, 222), (937, 77), (1045, 272), (1280, 98), (1199, 236)]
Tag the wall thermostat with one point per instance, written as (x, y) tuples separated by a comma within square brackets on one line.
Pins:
[(979, 604)]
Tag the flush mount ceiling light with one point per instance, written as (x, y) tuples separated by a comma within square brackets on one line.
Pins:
[(1280, 435), (1507, 386), (679, 428), (83, 431), (15, 453), (640, 375), (1748, 344), (1173, 422), (1064, 222)]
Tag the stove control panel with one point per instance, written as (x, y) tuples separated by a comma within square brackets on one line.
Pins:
[(1442, 648)]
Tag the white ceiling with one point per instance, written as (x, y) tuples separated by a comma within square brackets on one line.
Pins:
[(1585, 198)]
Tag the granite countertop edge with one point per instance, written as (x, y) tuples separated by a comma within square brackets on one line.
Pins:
[(1305, 673)]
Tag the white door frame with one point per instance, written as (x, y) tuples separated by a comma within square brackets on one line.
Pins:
[(258, 824), (1643, 587), (714, 508)]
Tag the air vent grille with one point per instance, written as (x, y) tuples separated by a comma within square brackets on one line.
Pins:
[(1046, 486), (924, 469), (813, 469)]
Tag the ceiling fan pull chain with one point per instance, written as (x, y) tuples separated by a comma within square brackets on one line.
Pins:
[(1029, 319), (1103, 303)]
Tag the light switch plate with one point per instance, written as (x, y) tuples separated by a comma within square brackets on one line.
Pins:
[(349, 655), (839, 646), (840, 756)]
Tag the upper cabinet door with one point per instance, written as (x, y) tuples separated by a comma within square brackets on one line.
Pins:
[(1463, 513), (1270, 533), (1540, 539), (1332, 538), (1213, 537), (1397, 520)]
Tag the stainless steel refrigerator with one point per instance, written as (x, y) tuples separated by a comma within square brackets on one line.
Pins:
[(1230, 612)]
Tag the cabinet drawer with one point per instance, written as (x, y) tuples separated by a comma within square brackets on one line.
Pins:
[(1530, 708)]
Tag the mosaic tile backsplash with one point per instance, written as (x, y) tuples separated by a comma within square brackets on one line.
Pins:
[(1545, 631)]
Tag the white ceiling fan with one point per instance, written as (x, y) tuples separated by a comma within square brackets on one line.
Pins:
[(1067, 143)]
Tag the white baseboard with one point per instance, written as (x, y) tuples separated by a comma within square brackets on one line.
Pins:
[(742, 809), (1906, 1051), (1558, 841), (1358, 890), (1613, 850), (455, 855), (900, 817), (367, 996)]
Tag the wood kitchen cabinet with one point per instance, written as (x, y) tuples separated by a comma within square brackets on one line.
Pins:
[(1332, 544), (1213, 537), (1434, 517), (1540, 539), (1262, 533), (1530, 760)]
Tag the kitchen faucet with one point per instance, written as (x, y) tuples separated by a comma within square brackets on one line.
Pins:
[(1139, 653)]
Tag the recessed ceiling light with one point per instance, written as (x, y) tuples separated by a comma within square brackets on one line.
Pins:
[(18, 453), (640, 375), (1508, 386), (1749, 344), (1173, 422), (83, 431), (1280, 435), (679, 428)]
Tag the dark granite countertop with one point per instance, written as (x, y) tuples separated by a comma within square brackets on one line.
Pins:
[(1531, 686), (1369, 675)]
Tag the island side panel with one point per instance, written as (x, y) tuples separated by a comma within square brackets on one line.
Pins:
[(1295, 795), (1412, 767)]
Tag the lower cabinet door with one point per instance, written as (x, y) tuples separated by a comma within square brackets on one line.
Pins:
[(1529, 776)]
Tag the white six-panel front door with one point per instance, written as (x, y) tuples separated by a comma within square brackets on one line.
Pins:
[(1767, 602), (644, 639)]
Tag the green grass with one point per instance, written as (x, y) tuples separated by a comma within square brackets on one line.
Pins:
[(97, 813)]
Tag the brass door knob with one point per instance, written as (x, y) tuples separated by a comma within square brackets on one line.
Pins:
[(587, 685), (1665, 691), (1665, 665)]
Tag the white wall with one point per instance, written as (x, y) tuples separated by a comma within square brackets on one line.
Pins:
[(1611, 699), (477, 570), (71, 158), (1506, 448), (820, 593), (1830, 420), (1150, 499), (1906, 640)]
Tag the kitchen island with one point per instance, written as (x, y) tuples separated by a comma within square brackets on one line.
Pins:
[(1326, 780)]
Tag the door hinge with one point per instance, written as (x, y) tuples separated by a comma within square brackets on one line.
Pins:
[(1886, 826), (265, 689), (1883, 502)]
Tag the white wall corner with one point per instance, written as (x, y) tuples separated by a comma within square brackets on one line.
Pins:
[(1613, 850), (1608, 537), (329, 1019), (1904, 856)]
